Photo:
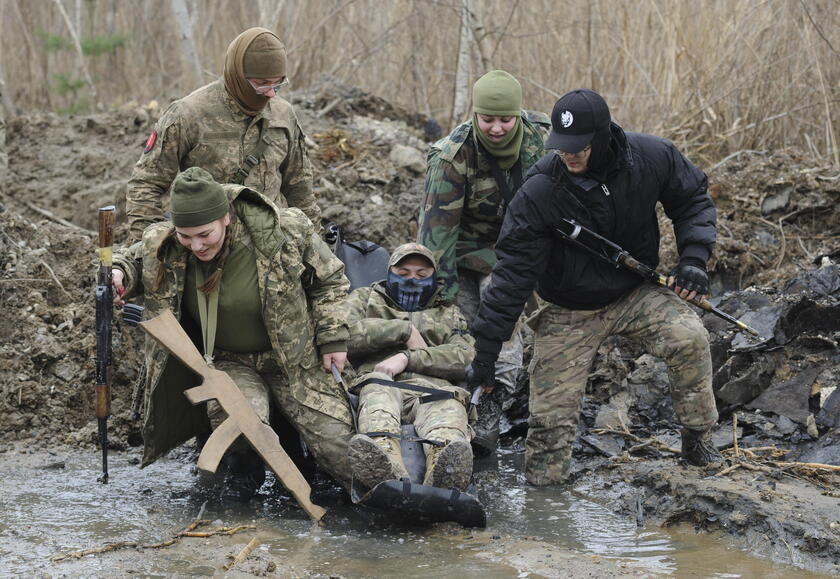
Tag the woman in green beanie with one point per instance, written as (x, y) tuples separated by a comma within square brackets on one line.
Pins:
[(259, 293), (472, 175)]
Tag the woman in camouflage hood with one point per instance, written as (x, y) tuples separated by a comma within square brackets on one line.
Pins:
[(472, 175), (272, 289), (236, 128)]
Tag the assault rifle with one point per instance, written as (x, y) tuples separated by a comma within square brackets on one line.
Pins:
[(104, 317), (574, 233)]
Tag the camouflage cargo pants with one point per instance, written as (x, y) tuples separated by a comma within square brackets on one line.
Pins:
[(566, 342), (508, 365), (383, 409), (264, 382)]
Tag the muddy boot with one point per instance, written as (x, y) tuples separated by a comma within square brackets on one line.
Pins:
[(245, 476), (486, 428), (450, 466), (697, 447), (375, 460)]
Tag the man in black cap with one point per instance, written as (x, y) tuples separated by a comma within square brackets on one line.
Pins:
[(610, 182)]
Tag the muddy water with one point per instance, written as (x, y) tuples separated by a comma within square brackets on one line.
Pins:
[(51, 503)]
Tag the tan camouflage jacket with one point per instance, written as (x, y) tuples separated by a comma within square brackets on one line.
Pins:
[(302, 286), (379, 329), (460, 217), (206, 129)]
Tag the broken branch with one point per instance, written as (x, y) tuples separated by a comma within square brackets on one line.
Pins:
[(243, 554), (188, 531)]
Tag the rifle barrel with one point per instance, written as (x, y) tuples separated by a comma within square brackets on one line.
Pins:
[(104, 317)]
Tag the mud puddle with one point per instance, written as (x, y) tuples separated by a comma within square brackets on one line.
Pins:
[(52, 504)]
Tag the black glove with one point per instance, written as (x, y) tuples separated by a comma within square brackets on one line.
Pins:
[(691, 274), (482, 370)]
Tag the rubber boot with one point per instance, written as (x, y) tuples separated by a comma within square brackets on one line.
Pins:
[(450, 466), (245, 476), (375, 460), (697, 447)]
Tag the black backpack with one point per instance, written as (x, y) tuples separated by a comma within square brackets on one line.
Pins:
[(365, 262)]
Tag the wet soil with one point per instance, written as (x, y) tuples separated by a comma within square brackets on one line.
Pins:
[(54, 509), (777, 221)]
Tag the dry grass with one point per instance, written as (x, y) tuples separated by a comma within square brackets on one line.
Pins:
[(716, 76)]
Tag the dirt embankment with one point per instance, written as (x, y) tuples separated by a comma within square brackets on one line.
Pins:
[(777, 221)]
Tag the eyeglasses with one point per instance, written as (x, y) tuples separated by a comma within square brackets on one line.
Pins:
[(262, 89), (582, 152)]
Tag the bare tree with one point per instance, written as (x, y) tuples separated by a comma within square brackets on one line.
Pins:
[(270, 13), (75, 36), (4, 159), (186, 22), (482, 37), (463, 70)]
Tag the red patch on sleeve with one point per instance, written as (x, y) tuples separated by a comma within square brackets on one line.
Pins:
[(150, 142)]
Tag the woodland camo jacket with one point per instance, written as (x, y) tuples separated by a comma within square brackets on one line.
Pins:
[(460, 218)]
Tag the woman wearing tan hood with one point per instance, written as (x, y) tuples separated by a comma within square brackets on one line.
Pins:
[(236, 128)]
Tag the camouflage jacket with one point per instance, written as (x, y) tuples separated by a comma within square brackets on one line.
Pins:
[(379, 329), (302, 285), (206, 129), (460, 218)]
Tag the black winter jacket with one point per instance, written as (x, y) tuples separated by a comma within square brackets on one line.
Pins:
[(622, 208)]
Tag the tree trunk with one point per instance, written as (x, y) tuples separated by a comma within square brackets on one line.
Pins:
[(463, 69), (270, 13), (82, 63), (482, 38), (185, 26)]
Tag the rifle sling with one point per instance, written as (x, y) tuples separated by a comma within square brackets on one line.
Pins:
[(208, 309), (252, 159), (501, 181)]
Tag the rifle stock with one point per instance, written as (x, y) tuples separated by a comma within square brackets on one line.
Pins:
[(241, 420), (104, 318)]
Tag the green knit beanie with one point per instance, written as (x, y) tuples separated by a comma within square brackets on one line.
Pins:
[(497, 93), (197, 199)]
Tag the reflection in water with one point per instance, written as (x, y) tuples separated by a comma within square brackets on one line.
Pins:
[(45, 512)]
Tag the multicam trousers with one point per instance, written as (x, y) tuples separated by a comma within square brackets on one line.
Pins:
[(566, 342), (490, 406), (384, 408), (263, 381)]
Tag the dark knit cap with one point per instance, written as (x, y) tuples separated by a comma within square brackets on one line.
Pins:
[(265, 57), (197, 199)]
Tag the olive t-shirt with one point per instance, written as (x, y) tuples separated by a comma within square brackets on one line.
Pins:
[(239, 325)]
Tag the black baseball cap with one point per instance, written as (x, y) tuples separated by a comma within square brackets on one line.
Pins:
[(576, 117)]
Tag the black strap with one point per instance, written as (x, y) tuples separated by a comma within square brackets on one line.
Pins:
[(406, 438), (252, 159), (432, 394), (501, 181)]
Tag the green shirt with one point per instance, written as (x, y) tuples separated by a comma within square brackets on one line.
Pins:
[(239, 325)]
